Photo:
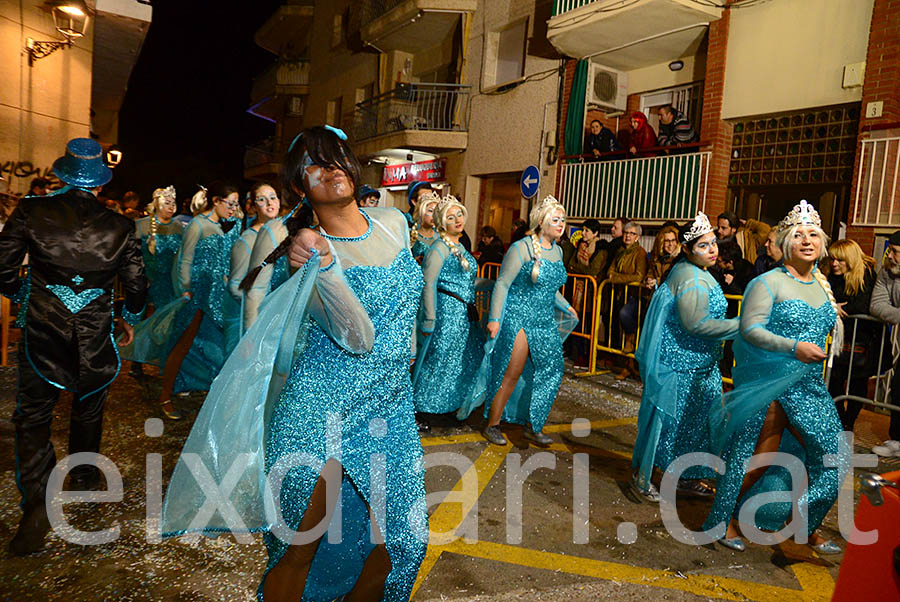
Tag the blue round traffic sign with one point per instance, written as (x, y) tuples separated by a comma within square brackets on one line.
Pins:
[(530, 182)]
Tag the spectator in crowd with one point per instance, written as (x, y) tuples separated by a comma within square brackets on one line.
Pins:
[(642, 134), (770, 258), (490, 248), (368, 196), (674, 127), (590, 257), (732, 271), (749, 234), (613, 245), (131, 205), (39, 187), (519, 230), (568, 247), (600, 140), (885, 305), (851, 274), (666, 251), (629, 267)]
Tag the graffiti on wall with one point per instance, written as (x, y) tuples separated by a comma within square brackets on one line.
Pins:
[(26, 170)]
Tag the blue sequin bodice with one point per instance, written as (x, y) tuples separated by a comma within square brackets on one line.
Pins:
[(158, 266), (209, 271), (536, 299), (796, 319), (456, 280), (686, 352)]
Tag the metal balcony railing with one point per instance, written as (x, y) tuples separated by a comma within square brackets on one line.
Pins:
[(877, 202), (281, 73), (439, 107), (645, 188), (564, 6)]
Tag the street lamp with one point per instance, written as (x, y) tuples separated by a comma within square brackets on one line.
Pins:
[(71, 20)]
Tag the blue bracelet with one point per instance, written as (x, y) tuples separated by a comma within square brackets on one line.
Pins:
[(794, 348), (132, 318)]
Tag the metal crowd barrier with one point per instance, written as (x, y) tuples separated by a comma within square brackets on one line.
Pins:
[(887, 346)]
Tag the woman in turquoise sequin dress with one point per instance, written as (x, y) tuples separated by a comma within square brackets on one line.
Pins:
[(786, 316), (267, 205), (679, 353), (160, 240), (451, 342), (423, 234), (263, 279), (525, 360), (200, 272)]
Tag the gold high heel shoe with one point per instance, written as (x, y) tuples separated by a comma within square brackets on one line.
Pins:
[(173, 413)]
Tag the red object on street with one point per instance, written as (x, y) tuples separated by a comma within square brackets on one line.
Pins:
[(871, 572)]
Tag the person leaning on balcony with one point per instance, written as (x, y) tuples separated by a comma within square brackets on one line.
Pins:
[(851, 274), (642, 134), (674, 127), (749, 234), (600, 140), (629, 267), (590, 258), (885, 305)]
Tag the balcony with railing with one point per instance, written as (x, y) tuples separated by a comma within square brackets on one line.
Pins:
[(262, 160), (432, 117), (270, 89), (651, 189), (630, 35), (286, 31), (409, 25)]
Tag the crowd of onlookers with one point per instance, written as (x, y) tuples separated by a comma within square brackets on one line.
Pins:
[(641, 140)]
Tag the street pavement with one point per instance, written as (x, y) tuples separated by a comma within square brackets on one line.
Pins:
[(619, 550)]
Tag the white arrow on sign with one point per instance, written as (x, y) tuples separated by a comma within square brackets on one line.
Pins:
[(528, 181)]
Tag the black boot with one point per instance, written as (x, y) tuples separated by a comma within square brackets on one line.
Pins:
[(33, 527)]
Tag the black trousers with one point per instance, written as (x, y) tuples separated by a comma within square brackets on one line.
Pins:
[(35, 457)]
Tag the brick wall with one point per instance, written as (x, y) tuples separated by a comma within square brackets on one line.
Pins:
[(882, 82), (712, 129)]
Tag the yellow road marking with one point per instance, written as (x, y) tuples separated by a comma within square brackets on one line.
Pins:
[(449, 515), (710, 586), (816, 581)]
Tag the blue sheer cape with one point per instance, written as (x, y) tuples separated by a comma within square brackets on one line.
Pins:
[(155, 337), (230, 429)]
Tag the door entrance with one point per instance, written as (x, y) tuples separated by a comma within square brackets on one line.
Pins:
[(772, 203), (501, 204)]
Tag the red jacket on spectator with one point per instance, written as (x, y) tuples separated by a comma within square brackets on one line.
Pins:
[(642, 136)]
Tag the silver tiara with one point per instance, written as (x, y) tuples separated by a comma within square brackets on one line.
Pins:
[(700, 227), (803, 214)]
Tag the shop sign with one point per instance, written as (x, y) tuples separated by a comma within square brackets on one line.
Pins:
[(422, 171)]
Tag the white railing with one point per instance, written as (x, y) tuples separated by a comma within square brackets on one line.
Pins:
[(876, 183), (650, 189)]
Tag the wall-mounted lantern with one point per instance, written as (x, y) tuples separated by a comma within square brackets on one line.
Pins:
[(71, 19)]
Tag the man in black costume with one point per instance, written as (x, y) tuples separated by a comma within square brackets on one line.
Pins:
[(76, 247)]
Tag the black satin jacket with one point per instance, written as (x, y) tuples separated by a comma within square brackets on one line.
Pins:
[(76, 248)]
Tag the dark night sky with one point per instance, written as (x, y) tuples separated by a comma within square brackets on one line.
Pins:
[(184, 118)]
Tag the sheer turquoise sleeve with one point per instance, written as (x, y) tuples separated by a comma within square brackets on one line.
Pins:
[(755, 311), (337, 310), (265, 244), (509, 269), (692, 304), (240, 260), (431, 269), (182, 273)]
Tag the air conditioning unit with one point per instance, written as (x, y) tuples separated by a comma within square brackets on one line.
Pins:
[(607, 89), (295, 107)]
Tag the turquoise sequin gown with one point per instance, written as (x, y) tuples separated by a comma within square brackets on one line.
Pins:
[(202, 267), (158, 265), (234, 301), (778, 310), (371, 393), (271, 276), (422, 244), (679, 353), (450, 355), (538, 309)]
